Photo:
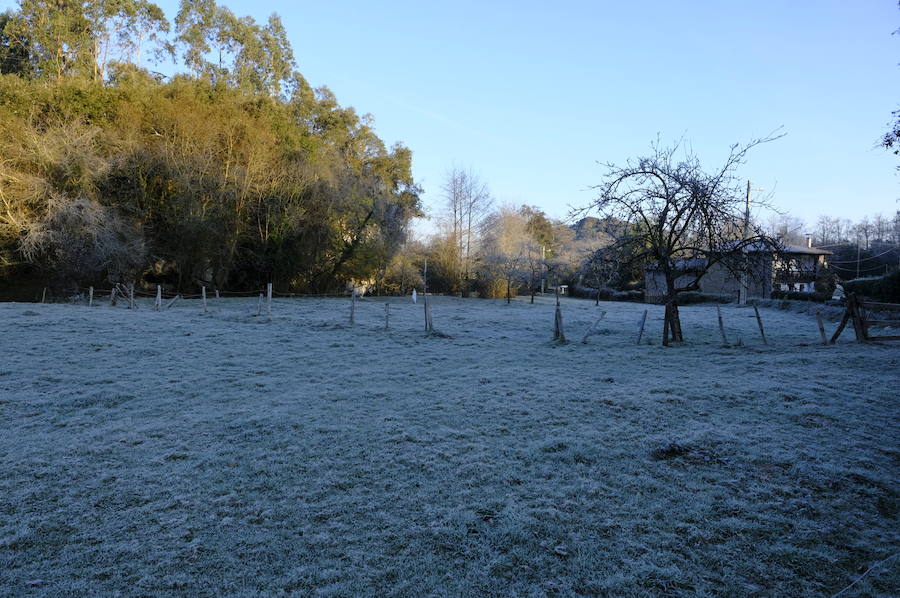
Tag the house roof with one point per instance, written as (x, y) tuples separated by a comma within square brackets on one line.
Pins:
[(778, 247), (804, 250)]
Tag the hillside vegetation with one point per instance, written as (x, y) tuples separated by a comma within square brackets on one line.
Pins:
[(231, 173)]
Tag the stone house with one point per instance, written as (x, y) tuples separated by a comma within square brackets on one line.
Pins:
[(785, 268)]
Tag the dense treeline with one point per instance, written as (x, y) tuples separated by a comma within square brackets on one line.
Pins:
[(233, 174)]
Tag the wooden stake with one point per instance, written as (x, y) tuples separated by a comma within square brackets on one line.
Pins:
[(387, 316), (259, 305), (721, 325), (91, 297), (44, 295), (821, 327), (157, 305), (841, 326), (593, 328), (203, 296), (112, 297), (856, 318), (759, 323), (269, 298), (641, 329), (559, 333), (217, 293), (676, 323)]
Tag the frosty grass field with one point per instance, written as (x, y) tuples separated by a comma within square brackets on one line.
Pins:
[(177, 453)]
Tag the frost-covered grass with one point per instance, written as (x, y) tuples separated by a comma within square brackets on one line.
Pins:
[(182, 454)]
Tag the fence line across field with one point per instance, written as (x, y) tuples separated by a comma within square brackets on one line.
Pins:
[(267, 297)]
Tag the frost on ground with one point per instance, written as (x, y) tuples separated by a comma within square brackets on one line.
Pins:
[(179, 453)]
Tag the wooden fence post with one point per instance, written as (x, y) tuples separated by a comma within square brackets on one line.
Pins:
[(429, 323), (157, 305), (721, 325), (559, 333), (759, 323), (259, 305), (91, 297), (112, 297), (641, 328), (44, 295), (217, 293), (821, 327), (203, 296), (269, 298)]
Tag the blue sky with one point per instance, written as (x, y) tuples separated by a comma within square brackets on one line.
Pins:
[(532, 95)]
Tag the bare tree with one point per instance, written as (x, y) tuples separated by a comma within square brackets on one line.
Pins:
[(505, 247), (468, 202), (667, 212)]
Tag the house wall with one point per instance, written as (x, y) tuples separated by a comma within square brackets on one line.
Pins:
[(720, 281), (655, 284)]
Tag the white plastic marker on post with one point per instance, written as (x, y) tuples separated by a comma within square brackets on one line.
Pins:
[(91, 297), (269, 298), (203, 295), (157, 305), (641, 329)]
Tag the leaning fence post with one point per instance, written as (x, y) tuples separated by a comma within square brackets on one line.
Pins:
[(269, 298), (721, 325), (821, 327), (759, 323), (203, 296), (641, 328), (91, 297)]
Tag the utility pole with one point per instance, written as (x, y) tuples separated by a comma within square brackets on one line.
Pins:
[(742, 294), (543, 265), (425, 292)]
